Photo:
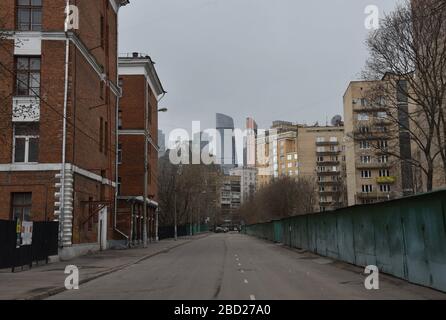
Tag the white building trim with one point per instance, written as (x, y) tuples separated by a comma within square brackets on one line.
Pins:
[(45, 167)]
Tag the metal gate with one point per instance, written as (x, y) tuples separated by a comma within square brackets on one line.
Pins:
[(44, 244)]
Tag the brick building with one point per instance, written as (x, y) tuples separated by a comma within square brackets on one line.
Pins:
[(58, 109), (138, 148)]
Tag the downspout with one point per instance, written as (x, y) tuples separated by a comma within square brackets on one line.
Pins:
[(64, 130), (115, 216), (146, 177)]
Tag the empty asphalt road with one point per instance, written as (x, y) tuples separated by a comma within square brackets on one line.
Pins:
[(238, 267)]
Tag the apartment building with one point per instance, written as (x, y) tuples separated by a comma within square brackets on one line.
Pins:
[(248, 181), (373, 174), (229, 199), (59, 93), (313, 153), (276, 153), (321, 159), (137, 199)]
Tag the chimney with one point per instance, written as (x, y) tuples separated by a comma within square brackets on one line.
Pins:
[(135, 54)]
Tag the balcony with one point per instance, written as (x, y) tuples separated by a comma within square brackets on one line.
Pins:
[(370, 109), (374, 195), (328, 153), (386, 180), (25, 109), (381, 122), (373, 135), (327, 143), (329, 183), (373, 165), (328, 163), (331, 193), (329, 173)]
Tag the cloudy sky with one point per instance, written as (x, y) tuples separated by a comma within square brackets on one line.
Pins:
[(269, 59)]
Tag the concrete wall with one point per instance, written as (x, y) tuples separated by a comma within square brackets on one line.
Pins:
[(405, 238)]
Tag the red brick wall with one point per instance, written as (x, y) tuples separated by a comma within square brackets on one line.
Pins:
[(42, 186), (132, 105), (85, 108)]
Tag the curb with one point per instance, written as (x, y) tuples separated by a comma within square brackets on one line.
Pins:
[(56, 291)]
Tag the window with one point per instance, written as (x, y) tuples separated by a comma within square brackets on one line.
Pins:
[(101, 134), (120, 119), (384, 173), (27, 76), (367, 188), (120, 153), (320, 149), (29, 15), (333, 139), (384, 188), (364, 129), (295, 156), (366, 159), (334, 149), (382, 115), (106, 142), (21, 206), (119, 185), (320, 159), (102, 89), (364, 102), (320, 139), (383, 144), (290, 165), (364, 145), (366, 174), (322, 169), (102, 32), (363, 117), (383, 159), (26, 142), (289, 157)]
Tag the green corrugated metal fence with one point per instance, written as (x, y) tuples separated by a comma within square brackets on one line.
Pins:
[(405, 238)]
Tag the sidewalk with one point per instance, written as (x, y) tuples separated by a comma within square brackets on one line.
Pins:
[(43, 281)]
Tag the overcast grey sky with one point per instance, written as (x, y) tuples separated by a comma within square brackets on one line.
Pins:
[(269, 59)]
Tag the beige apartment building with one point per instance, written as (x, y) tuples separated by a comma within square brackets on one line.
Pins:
[(321, 157), (373, 175), (314, 153)]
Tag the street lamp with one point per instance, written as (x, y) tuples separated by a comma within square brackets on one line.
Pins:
[(163, 110)]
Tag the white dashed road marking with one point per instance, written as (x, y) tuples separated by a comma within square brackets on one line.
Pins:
[(252, 297), (246, 281)]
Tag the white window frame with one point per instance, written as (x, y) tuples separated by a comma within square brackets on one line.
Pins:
[(26, 156)]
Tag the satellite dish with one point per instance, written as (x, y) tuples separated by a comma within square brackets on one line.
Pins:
[(336, 121)]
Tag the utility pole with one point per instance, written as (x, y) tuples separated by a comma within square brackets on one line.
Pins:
[(175, 216)]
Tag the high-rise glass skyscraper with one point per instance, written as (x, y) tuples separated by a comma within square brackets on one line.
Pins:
[(226, 148)]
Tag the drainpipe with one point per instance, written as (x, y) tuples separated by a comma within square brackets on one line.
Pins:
[(64, 130), (146, 177), (115, 222)]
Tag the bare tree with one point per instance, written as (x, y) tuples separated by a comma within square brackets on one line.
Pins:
[(408, 54), (187, 189), (283, 197)]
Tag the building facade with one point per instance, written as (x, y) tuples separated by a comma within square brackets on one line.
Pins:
[(248, 181), (315, 154), (137, 200), (373, 174), (229, 200), (321, 159), (226, 148), (59, 92)]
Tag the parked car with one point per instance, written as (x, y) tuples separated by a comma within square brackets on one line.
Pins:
[(219, 230)]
